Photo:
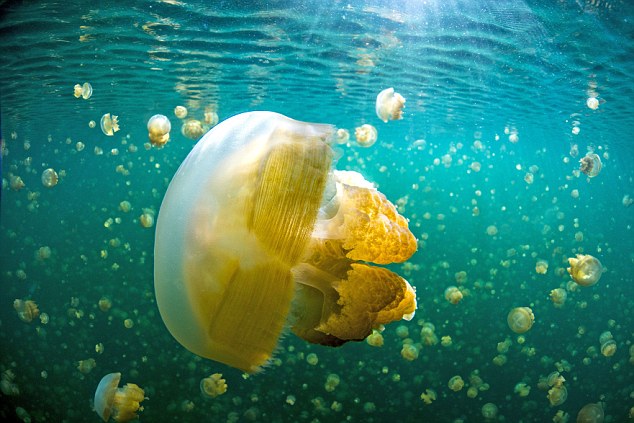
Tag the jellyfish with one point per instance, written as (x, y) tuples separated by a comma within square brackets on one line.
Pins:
[(591, 413), (585, 269), (109, 124), (192, 129), (366, 135), (456, 383), (453, 295), (27, 310), (489, 411), (342, 136), (521, 319), (256, 231), (86, 91), (121, 404), (590, 164), (180, 112), (389, 105), (159, 127), (49, 178), (213, 386)]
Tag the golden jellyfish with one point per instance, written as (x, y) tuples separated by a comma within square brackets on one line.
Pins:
[(147, 218), (49, 178), (590, 164), (86, 366), (211, 117), (180, 112), (256, 230), (608, 348), (591, 413), (77, 90), (213, 386), (521, 319), (375, 339), (592, 103), (84, 91), (557, 395), (586, 270), (159, 128), (192, 129), (389, 105), (109, 124), (366, 135), (342, 136), (120, 404), (456, 383), (27, 310), (558, 296), (489, 411), (453, 295)]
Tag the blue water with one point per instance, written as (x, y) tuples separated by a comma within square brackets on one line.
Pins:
[(473, 73)]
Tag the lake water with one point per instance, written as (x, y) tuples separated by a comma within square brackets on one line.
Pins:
[(503, 100)]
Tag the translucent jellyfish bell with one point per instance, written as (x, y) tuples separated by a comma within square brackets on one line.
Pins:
[(521, 319), (389, 105), (159, 128), (256, 231), (585, 269), (109, 124), (366, 135), (119, 403), (590, 164), (591, 413)]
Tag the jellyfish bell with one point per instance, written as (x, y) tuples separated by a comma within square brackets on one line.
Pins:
[(180, 112), (122, 403), (366, 135), (591, 413), (49, 178), (389, 105), (585, 270), (109, 124), (192, 129), (256, 231), (590, 164), (521, 319), (159, 128), (86, 91)]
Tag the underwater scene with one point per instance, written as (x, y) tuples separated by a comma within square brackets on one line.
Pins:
[(317, 211)]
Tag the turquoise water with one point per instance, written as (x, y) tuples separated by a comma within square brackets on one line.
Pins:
[(473, 74)]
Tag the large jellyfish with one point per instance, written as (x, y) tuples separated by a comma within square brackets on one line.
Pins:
[(256, 231)]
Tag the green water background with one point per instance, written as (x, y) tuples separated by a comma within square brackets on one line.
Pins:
[(468, 71)]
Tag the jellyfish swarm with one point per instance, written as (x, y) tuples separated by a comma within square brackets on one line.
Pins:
[(256, 231), (119, 403)]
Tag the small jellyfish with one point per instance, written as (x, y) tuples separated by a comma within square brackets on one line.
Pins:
[(375, 339), (109, 124), (77, 90), (147, 218), (389, 105), (192, 129), (409, 352), (210, 117), (159, 127), (456, 383), (428, 396), (86, 91), (180, 112), (366, 135), (590, 164), (121, 404), (585, 270), (27, 310), (521, 319), (489, 411), (86, 366), (592, 103), (558, 296), (257, 230), (541, 267), (213, 386), (591, 413), (557, 395), (49, 178), (608, 348), (342, 136), (453, 295)]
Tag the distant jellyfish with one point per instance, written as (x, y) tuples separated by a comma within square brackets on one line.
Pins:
[(27, 310), (77, 90), (453, 295), (180, 112), (591, 413), (585, 270), (86, 91), (49, 178), (456, 383), (210, 116), (256, 230), (122, 403), (521, 319), (590, 164), (592, 103), (147, 218), (109, 124), (558, 296), (213, 386), (159, 128), (366, 135), (389, 105), (342, 136), (192, 129), (489, 411)]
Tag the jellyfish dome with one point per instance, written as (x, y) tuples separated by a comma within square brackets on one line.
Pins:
[(389, 105), (585, 270), (591, 413), (120, 404), (256, 231)]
